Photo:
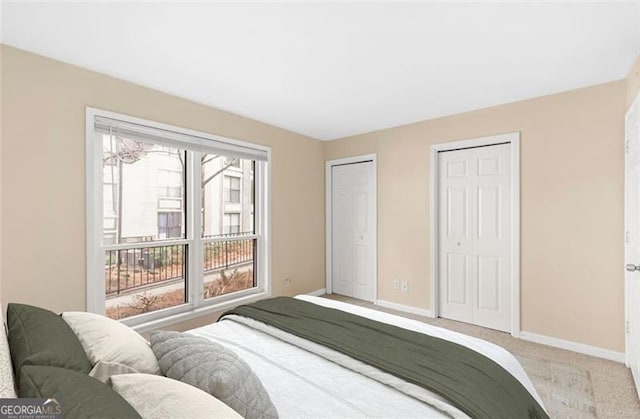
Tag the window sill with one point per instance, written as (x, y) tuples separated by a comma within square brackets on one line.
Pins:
[(198, 312)]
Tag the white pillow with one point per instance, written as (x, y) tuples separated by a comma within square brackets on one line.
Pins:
[(7, 384), (105, 339), (154, 396), (104, 370)]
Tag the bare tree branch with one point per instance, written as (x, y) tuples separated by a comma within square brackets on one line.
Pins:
[(206, 158), (130, 151), (225, 167), (181, 162)]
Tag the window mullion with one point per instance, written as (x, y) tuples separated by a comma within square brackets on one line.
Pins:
[(196, 262), (95, 252), (259, 217)]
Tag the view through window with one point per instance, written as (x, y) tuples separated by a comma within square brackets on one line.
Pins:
[(147, 238)]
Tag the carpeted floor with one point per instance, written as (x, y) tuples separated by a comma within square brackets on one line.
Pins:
[(571, 385), (567, 391)]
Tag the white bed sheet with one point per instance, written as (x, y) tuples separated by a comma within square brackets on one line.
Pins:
[(304, 385)]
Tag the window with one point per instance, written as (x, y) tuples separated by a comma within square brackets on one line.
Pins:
[(169, 225), (160, 241), (232, 189), (231, 224)]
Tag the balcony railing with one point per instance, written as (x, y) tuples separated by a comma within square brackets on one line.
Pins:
[(127, 270), (228, 253)]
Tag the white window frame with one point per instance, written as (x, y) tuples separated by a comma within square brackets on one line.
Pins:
[(197, 305)]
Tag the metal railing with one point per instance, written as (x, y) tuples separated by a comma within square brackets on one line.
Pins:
[(130, 269), (228, 253)]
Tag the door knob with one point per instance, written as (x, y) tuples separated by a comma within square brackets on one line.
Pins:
[(631, 267)]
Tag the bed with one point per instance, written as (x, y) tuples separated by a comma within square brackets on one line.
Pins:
[(328, 380), (302, 377)]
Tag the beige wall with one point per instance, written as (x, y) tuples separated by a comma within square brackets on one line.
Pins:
[(571, 207), (43, 177), (633, 82)]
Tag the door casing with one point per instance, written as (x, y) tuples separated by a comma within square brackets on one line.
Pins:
[(328, 209), (513, 139)]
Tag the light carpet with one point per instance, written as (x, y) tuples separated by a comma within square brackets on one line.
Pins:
[(565, 390)]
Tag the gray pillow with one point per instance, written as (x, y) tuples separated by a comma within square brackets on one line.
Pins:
[(215, 369)]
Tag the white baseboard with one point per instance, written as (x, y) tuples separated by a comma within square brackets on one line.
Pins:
[(402, 307), (318, 293), (573, 346), (636, 379)]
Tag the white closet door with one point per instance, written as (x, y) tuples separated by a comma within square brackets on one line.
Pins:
[(456, 243), (353, 248), (475, 235), (632, 240)]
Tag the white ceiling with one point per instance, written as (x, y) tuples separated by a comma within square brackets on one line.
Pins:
[(330, 69)]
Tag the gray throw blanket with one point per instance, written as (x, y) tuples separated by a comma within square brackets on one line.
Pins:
[(470, 381)]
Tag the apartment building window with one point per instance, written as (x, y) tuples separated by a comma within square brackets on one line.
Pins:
[(169, 225), (232, 189), (231, 223), (160, 243)]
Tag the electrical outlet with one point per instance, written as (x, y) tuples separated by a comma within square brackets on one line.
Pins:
[(404, 286), (287, 282), (396, 284)]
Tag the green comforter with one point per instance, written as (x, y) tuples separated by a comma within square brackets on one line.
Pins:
[(470, 381)]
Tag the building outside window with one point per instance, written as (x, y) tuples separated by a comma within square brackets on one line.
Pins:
[(163, 198), (231, 223), (232, 161)]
